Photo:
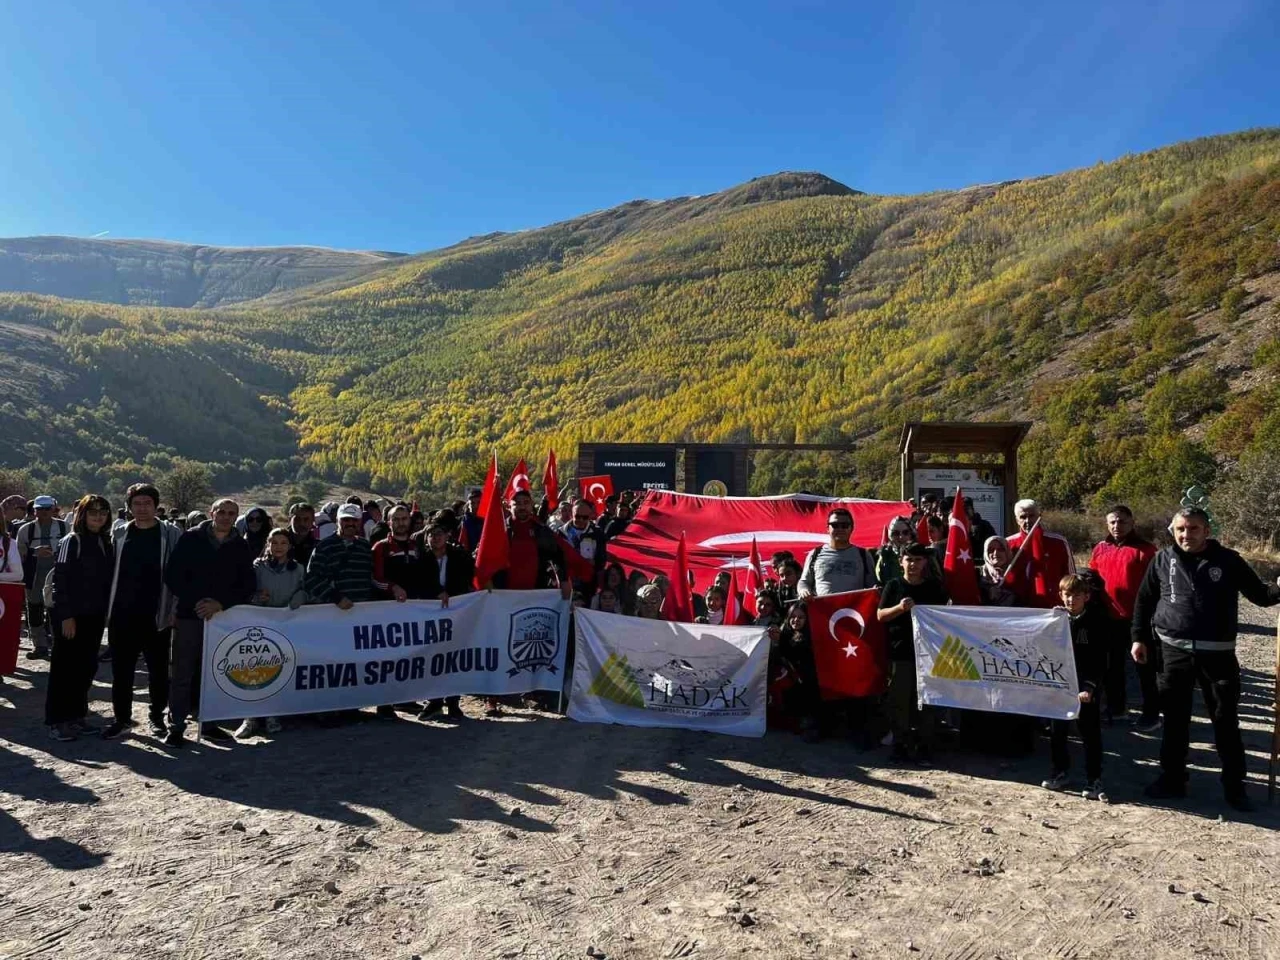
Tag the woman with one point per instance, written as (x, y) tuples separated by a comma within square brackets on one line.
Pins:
[(606, 601), (715, 599), (995, 591), (889, 557), (615, 578), (649, 602), (793, 676), (279, 585), (256, 527), (81, 588)]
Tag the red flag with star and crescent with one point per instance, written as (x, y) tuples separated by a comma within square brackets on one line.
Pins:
[(958, 570), (551, 482), (755, 580), (519, 481), (597, 489), (850, 653)]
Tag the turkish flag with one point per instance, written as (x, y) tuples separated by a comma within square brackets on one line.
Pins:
[(677, 605), (578, 566), (596, 489), (490, 481), (720, 529), (755, 580), (922, 529), (13, 597), (493, 553), (850, 653), (519, 481), (958, 570), (735, 613), (1038, 569), (550, 482)]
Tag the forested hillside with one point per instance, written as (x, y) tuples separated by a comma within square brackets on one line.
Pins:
[(1126, 308), (159, 273)]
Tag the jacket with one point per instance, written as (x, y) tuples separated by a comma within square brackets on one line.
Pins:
[(201, 568), (282, 581), (82, 577), (1191, 601), (341, 569), (400, 562), (1121, 566), (1090, 635), (459, 569), (550, 555), (169, 535), (31, 536), (10, 560)]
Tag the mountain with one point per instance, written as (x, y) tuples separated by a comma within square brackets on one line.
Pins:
[(1128, 308), (159, 273)]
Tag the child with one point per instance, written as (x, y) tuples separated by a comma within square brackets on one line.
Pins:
[(1089, 633), (279, 585)]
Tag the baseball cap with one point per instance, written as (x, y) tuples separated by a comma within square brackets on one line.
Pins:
[(349, 511), (45, 503)]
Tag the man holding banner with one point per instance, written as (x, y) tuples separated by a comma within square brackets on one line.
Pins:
[(1189, 600)]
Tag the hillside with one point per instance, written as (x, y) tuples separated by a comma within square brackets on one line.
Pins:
[(159, 273), (1127, 307)]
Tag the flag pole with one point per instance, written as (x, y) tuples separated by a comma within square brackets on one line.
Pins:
[(1022, 546)]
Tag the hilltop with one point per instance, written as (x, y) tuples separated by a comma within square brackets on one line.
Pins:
[(165, 274), (1126, 307)]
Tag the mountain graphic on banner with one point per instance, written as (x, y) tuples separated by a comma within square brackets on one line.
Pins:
[(615, 682), (954, 662)]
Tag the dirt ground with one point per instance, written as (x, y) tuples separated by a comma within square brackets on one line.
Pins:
[(537, 837)]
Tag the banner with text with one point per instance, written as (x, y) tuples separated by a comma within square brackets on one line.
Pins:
[(1005, 659), (271, 662), (651, 673)]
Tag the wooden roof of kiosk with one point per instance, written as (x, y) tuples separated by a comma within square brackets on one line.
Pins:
[(921, 439)]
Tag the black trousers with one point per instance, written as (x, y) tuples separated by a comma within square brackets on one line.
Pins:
[(37, 618), (1089, 722), (1218, 675), (132, 635), (1119, 659), (72, 667)]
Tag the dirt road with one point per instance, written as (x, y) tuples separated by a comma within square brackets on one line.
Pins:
[(537, 837)]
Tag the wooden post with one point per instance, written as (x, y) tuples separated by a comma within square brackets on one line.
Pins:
[(1275, 730)]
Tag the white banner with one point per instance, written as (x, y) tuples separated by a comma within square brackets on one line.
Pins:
[(1006, 659), (271, 661), (651, 673)]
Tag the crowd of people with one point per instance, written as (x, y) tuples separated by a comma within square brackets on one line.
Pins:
[(149, 580)]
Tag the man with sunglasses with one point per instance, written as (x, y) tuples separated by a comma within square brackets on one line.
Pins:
[(837, 566)]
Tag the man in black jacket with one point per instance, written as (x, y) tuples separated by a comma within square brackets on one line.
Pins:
[(1189, 600), (447, 571), (211, 569)]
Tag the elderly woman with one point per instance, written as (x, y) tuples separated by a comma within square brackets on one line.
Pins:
[(991, 578), (649, 602)]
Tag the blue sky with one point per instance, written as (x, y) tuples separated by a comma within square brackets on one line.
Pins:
[(410, 126)]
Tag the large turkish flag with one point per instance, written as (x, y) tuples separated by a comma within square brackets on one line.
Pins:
[(13, 597), (719, 530)]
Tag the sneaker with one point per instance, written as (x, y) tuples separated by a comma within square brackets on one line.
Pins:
[(87, 727), (1148, 724), (158, 729), (492, 708), (430, 710), (1058, 780), (887, 739), (1093, 791), (1239, 800), (61, 732), (454, 712), (105, 656), (1165, 788), (37, 653), (247, 728), (386, 712), (174, 738), (274, 725), (114, 729), (209, 731)]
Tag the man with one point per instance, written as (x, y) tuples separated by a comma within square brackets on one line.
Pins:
[(211, 569), (619, 520), (15, 514), (536, 560), (302, 532), (980, 529), (1121, 560), (587, 538), (399, 570), (140, 609), (341, 567), (373, 521), (36, 542), (1059, 561), (562, 517), (1189, 601), (448, 571), (837, 566), (472, 522)]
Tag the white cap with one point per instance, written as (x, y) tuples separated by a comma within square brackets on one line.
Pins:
[(350, 511), (44, 503)]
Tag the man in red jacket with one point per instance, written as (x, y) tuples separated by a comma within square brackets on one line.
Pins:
[(1120, 561), (1058, 559)]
